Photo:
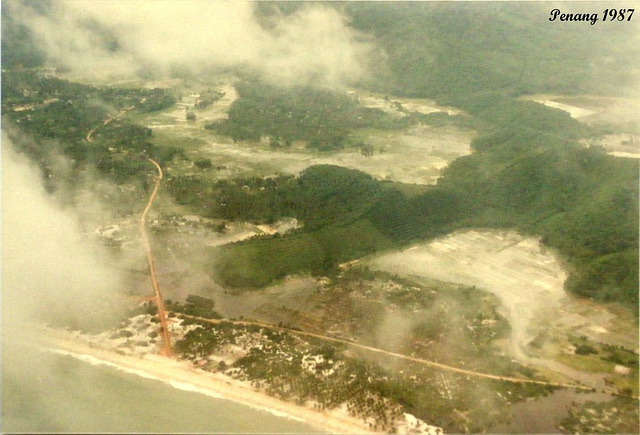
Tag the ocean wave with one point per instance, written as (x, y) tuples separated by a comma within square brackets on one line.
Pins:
[(97, 361), (192, 388), (184, 386)]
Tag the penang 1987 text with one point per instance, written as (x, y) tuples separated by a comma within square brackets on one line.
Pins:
[(607, 15)]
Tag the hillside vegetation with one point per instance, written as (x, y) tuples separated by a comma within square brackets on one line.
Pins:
[(467, 54), (322, 119), (528, 170)]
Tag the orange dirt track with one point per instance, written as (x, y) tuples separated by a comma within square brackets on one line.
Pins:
[(166, 348)]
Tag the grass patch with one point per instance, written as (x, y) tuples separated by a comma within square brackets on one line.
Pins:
[(626, 384), (165, 138), (260, 261), (586, 363)]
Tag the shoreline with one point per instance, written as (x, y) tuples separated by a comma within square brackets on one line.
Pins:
[(181, 375)]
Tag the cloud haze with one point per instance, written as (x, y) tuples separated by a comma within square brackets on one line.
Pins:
[(49, 270), (313, 45)]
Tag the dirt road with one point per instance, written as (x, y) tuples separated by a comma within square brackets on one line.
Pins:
[(110, 119), (426, 362), (166, 349)]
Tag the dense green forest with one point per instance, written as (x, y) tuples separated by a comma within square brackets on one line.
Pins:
[(18, 48), (59, 114), (463, 52), (528, 171), (323, 119), (580, 201)]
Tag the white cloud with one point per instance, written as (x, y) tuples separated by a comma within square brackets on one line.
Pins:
[(311, 46), (48, 267)]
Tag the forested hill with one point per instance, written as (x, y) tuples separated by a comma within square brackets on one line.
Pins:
[(529, 171), (460, 51)]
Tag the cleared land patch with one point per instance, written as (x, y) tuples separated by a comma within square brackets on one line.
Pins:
[(548, 326), (415, 154), (513, 267)]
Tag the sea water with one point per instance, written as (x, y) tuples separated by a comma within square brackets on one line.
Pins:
[(43, 391)]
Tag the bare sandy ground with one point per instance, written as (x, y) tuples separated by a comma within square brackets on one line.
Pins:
[(133, 355), (183, 376), (607, 110), (415, 156), (618, 145), (398, 106), (574, 111), (577, 109), (527, 279)]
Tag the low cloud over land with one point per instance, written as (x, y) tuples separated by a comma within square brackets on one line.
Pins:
[(49, 270), (312, 45)]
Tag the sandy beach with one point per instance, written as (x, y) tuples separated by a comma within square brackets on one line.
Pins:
[(180, 374)]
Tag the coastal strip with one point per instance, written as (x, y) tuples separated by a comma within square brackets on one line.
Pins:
[(181, 375)]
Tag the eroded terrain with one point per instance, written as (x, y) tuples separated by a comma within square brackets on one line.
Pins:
[(622, 113), (489, 302), (528, 280), (415, 154)]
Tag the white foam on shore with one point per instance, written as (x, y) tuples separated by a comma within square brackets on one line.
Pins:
[(193, 389), (282, 414), (184, 386), (97, 361)]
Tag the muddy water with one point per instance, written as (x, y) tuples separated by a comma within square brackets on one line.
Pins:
[(543, 415)]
